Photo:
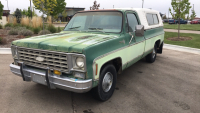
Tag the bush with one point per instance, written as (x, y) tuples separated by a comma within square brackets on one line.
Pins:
[(1, 27), (25, 32), (59, 29), (8, 28), (51, 28), (8, 25), (36, 30), (3, 40), (13, 32), (43, 32)]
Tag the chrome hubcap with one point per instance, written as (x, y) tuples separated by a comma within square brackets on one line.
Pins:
[(107, 82), (154, 52)]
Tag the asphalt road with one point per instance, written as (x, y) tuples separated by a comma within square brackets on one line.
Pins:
[(170, 85)]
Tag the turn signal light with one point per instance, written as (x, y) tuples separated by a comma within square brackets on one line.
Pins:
[(57, 72)]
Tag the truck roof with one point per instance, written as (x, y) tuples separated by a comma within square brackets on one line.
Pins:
[(141, 13)]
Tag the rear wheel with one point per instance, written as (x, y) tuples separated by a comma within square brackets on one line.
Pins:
[(152, 56), (107, 82)]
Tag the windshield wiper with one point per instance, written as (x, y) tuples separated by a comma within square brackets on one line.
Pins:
[(98, 29), (75, 27)]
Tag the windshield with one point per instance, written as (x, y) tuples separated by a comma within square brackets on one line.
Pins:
[(96, 21)]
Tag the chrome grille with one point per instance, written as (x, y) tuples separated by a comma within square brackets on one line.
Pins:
[(53, 60)]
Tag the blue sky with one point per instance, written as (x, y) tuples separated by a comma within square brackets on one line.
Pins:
[(160, 5)]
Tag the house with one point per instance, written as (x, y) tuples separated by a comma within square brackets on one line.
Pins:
[(197, 18), (70, 13), (6, 13), (4, 19)]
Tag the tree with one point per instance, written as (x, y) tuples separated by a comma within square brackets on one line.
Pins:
[(1, 10), (181, 8), (60, 7), (50, 7), (24, 12), (18, 15), (34, 13), (164, 17), (29, 12), (64, 14), (193, 15), (45, 6)]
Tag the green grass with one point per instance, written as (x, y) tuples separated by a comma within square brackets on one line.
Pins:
[(194, 43), (195, 27)]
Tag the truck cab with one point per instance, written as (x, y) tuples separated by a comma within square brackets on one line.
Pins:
[(93, 49)]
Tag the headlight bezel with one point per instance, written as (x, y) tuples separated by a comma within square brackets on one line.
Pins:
[(14, 50), (74, 64)]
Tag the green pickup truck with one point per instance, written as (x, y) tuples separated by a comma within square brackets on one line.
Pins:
[(92, 50)]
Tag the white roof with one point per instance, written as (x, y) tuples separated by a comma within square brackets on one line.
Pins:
[(142, 16)]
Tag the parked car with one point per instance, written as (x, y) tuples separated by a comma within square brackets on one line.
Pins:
[(188, 21), (196, 21), (93, 49), (173, 21), (165, 20)]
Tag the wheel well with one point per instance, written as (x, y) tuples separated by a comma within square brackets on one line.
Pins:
[(117, 62), (158, 43)]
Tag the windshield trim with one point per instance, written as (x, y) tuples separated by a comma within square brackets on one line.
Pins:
[(101, 11)]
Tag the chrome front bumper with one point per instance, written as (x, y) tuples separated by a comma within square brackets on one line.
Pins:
[(47, 78)]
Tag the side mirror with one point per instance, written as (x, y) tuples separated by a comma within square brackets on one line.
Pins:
[(139, 30)]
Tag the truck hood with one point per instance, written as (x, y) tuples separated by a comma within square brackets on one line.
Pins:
[(65, 41)]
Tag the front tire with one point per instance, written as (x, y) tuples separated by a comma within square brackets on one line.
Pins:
[(107, 83), (152, 56)]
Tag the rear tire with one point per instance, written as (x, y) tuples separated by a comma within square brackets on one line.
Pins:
[(152, 56), (107, 83)]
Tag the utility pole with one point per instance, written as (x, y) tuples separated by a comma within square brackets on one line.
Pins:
[(193, 7), (113, 6), (7, 4), (168, 14), (31, 9), (142, 3)]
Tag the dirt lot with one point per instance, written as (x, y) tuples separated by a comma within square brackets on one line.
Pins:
[(170, 85)]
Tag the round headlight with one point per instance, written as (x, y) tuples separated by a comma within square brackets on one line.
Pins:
[(80, 62)]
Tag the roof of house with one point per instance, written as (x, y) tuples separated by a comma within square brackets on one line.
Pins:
[(75, 8)]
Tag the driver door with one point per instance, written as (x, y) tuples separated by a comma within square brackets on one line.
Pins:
[(136, 44)]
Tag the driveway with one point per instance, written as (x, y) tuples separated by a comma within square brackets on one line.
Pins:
[(170, 85), (182, 31)]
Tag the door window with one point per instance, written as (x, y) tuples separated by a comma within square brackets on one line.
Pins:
[(132, 22)]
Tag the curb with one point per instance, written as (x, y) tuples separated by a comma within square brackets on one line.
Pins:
[(182, 48), (166, 46), (5, 51)]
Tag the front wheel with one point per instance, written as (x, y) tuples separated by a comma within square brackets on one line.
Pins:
[(107, 83), (152, 56)]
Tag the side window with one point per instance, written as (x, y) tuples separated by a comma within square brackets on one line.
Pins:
[(150, 19), (132, 22), (155, 19)]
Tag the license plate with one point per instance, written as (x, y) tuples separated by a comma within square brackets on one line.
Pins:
[(38, 79)]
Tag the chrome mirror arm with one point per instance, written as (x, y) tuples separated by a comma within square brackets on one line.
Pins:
[(131, 37)]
